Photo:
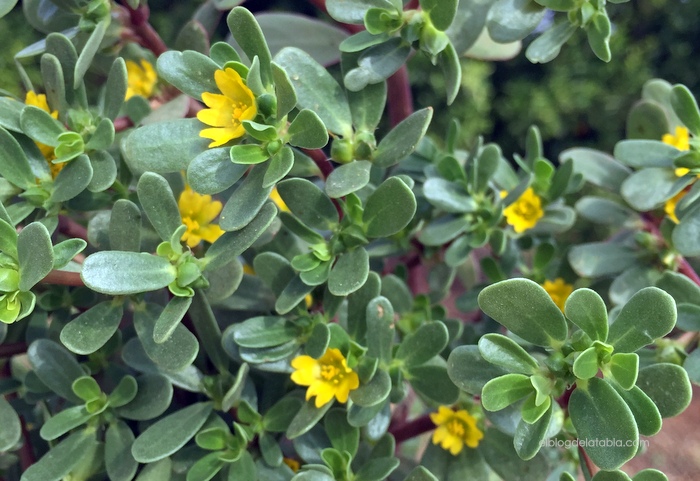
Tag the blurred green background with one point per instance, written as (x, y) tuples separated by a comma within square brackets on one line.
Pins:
[(575, 99)]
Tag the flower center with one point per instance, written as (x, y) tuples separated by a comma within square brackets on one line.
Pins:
[(238, 110), (333, 373), (191, 224), (456, 428), (526, 210)]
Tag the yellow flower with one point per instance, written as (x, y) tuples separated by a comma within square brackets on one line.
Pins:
[(39, 100), (293, 464), (327, 377), (455, 429), (670, 207), (141, 79), (227, 111), (681, 141), (524, 213), (197, 212), (277, 199), (559, 291)]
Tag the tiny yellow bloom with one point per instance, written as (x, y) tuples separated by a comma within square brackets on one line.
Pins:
[(670, 207), (681, 141), (524, 213), (455, 429), (293, 464), (559, 291), (277, 200), (198, 212), (141, 78), (227, 111), (327, 377), (39, 100)]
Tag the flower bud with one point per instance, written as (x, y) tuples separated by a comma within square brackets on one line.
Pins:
[(342, 151)]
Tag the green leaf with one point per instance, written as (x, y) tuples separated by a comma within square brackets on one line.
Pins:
[(599, 30), (40, 126), (115, 89), (104, 170), (506, 353), (448, 196), (263, 331), (603, 211), (348, 178), (686, 233), (649, 188), (367, 106), (11, 426), (349, 272), (212, 171), (680, 287), (598, 412), (645, 412), (389, 209), (469, 371), (377, 469), (306, 418), (125, 226), (246, 201), (432, 382), (73, 179), (586, 364), (422, 345), (317, 90), (597, 167), (610, 476), (649, 314), (403, 139), (64, 421), (668, 386), (55, 367), (511, 20), (380, 329), (308, 203), (6, 7), (421, 474), (190, 72), (342, 435), (645, 153), (170, 318), (307, 130), (158, 471), (378, 63), (624, 368), (293, 293), (686, 108), (353, 11), (649, 475), (547, 46), (249, 36), (503, 391), (500, 454), (159, 203), (598, 259), (280, 415), (122, 273), (87, 54), (248, 154), (280, 165), (62, 458), (35, 255), (525, 308), (93, 328), (374, 392), (452, 70), (169, 434), (120, 464), (14, 165), (164, 147), (124, 393), (152, 398), (586, 309), (529, 437), (174, 354)]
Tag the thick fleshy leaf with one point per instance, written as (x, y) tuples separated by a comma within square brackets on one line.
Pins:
[(169, 434), (159, 203), (93, 328), (507, 354), (403, 139), (586, 309), (63, 457), (55, 367), (526, 309), (308, 203), (11, 427), (122, 273), (349, 272), (389, 209), (668, 386), (35, 255)]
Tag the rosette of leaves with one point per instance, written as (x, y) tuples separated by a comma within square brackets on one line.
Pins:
[(272, 135), (622, 404), (464, 189), (82, 138)]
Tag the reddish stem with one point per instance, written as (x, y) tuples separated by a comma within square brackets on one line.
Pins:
[(9, 350), (321, 160), (411, 429), (148, 37), (399, 96), (71, 228), (685, 268), (63, 278), (122, 123), (583, 456)]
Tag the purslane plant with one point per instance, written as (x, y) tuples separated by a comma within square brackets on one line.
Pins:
[(224, 261)]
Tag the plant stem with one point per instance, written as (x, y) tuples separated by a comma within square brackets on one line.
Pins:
[(148, 37), (321, 160), (399, 96), (122, 123), (71, 228), (587, 466), (411, 429), (685, 268), (9, 350), (63, 278)]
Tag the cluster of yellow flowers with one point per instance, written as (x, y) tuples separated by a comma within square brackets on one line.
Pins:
[(681, 141), (524, 213)]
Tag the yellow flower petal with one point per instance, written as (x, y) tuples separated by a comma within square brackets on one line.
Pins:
[(197, 213), (559, 291), (327, 377), (524, 213), (455, 429), (141, 78)]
